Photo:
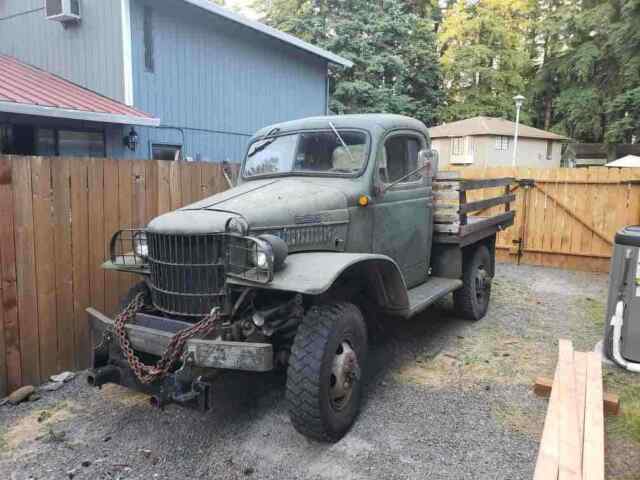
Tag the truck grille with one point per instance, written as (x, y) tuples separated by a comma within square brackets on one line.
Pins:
[(187, 272)]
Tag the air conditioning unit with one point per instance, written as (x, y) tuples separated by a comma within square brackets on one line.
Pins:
[(461, 159), (63, 11)]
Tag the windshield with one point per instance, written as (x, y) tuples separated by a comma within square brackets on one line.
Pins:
[(313, 152)]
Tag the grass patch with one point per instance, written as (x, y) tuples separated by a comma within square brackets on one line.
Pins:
[(594, 311), (518, 419), (627, 424)]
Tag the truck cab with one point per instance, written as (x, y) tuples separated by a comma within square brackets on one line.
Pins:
[(332, 226)]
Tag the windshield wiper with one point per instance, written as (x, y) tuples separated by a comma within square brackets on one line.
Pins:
[(267, 140), (353, 162)]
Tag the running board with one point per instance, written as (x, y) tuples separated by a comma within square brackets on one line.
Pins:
[(424, 295)]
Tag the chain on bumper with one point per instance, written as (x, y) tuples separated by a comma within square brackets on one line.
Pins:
[(150, 373)]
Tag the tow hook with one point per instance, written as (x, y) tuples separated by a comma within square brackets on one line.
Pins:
[(182, 388), (196, 395)]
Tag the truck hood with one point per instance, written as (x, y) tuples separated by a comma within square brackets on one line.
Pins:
[(263, 204)]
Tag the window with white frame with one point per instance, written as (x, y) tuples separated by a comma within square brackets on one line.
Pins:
[(458, 145), (502, 142)]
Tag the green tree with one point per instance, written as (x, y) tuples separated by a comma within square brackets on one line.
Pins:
[(484, 57), (391, 42), (588, 83)]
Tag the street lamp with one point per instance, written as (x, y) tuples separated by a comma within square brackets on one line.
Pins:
[(519, 99)]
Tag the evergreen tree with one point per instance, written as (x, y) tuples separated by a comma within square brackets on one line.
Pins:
[(484, 57), (391, 42)]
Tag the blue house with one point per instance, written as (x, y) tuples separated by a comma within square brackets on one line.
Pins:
[(197, 80)]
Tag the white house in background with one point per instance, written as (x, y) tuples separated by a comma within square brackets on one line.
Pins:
[(488, 142)]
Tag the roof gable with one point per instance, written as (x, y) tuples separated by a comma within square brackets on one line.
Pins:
[(270, 31), (490, 126)]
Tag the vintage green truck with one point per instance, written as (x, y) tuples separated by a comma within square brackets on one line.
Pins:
[(335, 223)]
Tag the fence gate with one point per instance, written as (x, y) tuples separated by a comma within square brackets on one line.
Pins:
[(566, 218)]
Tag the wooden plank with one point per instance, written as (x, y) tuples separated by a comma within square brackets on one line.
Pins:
[(446, 197), (549, 451), (580, 359), (208, 174), (8, 292), (446, 186), (485, 183), (139, 195), (80, 256), (61, 181), (151, 190), (96, 233), (45, 265), (26, 271), (111, 225), (196, 183), (447, 228), (506, 218), (603, 236), (174, 185), (164, 189), (593, 458), (4, 390), (125, 214), (185, 183), (446, 175), (487, 203), (569, 467), (446, 217)]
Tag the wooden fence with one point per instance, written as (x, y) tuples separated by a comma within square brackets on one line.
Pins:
[(57, 216), (565, 217)]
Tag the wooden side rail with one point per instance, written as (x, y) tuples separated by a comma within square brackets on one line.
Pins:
[(451, 215)]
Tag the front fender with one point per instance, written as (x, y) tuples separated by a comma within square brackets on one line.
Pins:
[(313, 273)]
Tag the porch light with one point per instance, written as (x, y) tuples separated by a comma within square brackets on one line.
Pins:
[(131, 140)]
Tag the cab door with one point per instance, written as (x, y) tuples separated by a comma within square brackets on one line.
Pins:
[(403, 212)]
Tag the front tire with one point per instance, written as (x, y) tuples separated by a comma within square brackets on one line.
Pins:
[(472, 300), (324, 379)]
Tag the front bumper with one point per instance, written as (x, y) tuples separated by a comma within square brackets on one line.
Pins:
[(151, 334)]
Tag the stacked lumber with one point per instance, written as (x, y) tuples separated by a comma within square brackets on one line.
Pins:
[(451, 213), (572, 445)]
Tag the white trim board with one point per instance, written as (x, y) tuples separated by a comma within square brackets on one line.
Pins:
[(127, 51), (54, 112)]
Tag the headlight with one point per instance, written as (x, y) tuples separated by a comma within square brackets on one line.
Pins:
[(262, 255), (140, 244), (277, 250), (237, 225)]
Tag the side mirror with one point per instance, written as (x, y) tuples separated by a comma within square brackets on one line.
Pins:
[(428, 161)]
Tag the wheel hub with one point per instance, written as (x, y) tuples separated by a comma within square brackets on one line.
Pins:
[(345, 372), (483, 282)]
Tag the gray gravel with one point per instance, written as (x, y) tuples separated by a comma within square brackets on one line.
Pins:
[(475, 422)]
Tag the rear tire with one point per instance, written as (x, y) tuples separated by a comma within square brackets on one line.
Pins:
[(472, 300), (324, 379)]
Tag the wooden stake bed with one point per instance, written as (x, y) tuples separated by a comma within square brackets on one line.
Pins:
[(452, 222)]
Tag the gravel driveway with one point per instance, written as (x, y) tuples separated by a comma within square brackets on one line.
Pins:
[(446, 399)]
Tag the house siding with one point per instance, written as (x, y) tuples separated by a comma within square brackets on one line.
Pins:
[(89, 53), (215, 83), (531, 152)]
